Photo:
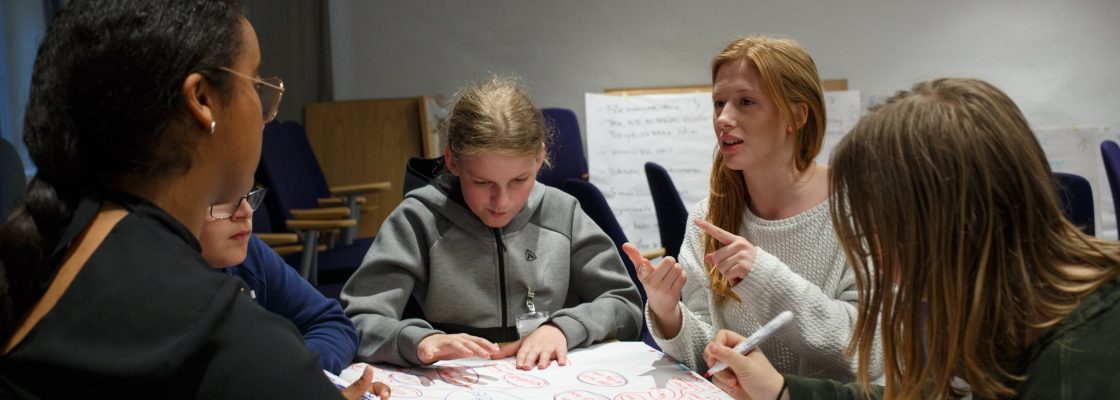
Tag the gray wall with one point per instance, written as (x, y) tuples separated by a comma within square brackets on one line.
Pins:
[(1058, 60), (294, 46)]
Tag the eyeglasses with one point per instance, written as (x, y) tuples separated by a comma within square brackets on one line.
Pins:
[(253, 199), (270, 90)]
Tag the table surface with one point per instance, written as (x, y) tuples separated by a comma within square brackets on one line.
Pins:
[(607, 371)]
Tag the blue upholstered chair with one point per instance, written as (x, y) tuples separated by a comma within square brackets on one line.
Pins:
[(1076, 196), (13, 184), (297, 192), (568, 161), (419, 171), (1110, 152), (287, 158), (672, 217), (593, 203)]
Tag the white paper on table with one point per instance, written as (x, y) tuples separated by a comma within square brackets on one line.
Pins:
[(617, 370)]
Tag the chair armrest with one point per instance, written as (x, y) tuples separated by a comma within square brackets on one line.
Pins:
[(339, 202), (278, 239), (320, 224), (361, 188), (287, 249), (320, 213), (652, 254)]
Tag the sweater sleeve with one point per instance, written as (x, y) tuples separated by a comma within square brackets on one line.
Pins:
[(821, 389), (376, 295), (326, 329), (609, 302), (824, 322), (696, 321)]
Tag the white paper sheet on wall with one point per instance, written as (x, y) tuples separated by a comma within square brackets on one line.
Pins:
[(618, 370), (843, 110), (624, 132), (674, 130), (1076, 150)]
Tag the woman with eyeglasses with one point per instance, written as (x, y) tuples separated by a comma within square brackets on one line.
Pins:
[(142, 113), (228, 244)]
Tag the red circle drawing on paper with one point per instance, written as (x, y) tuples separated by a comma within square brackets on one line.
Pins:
[(688, 383), (701, 396), (405, 392), (663, 394), (459, 375), (479, 395), (507, 367), (579, 395), (603, 378), (526, 381), (631, 396), (410, 379)]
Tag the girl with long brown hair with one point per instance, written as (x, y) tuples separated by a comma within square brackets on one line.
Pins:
[(983, 286), (762, 242)]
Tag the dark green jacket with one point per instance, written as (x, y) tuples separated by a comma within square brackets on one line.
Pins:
[(1078, 359)]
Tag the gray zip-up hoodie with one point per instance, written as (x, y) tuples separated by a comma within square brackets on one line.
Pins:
[(470, 278)]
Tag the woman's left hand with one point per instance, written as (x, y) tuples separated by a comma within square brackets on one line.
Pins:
[(735, 259), (545, 344)]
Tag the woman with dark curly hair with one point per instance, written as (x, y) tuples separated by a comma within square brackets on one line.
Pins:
[(141, 115)]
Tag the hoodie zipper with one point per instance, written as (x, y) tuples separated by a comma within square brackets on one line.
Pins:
[(501, 247)]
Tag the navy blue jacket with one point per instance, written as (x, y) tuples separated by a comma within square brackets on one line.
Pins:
[(279, 288)]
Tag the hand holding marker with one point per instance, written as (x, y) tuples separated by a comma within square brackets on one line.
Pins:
[(754, 340)]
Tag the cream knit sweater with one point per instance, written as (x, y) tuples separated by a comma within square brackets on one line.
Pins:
[(799, 267)]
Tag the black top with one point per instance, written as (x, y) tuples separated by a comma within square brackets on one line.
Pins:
[(147, 317)]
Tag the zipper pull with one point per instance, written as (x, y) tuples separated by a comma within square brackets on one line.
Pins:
[(529, 301)]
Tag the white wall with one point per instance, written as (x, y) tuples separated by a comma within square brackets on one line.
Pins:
[(1058, 60)]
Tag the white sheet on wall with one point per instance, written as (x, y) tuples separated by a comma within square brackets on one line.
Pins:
[(1076, 150), (843, 110), (625, 132), (674, 130)]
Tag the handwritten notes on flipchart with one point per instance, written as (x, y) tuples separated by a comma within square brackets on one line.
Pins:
[(625, 132), (843, 110), (1076, 150), (676, 131)]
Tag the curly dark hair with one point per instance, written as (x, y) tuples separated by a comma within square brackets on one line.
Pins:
[(106, 105)]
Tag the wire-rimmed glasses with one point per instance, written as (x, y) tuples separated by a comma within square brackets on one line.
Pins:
[(254, 198), (270, 90)]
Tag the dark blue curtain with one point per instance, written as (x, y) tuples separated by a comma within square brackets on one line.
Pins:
[(22, 24)]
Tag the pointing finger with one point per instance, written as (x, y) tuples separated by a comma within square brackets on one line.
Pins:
[(721, 235)]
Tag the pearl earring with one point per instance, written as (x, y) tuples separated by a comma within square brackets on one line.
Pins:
[(213, 124)]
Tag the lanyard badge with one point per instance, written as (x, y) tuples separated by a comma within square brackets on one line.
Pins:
[(528, 322)]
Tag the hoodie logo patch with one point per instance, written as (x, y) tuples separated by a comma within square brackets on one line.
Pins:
[(529, 255)]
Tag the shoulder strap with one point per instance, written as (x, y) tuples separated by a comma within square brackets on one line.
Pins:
[(86, 243)]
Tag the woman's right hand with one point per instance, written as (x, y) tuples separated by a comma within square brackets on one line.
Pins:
[(749, 376), (663, 284), (442, 346)]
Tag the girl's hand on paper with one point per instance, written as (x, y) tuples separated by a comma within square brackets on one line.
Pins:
[(450, 347), (735, 259), (746, 376), (545, 344), (663, 284), (364, 385)]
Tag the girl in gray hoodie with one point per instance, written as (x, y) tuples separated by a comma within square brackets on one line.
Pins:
[(489, 255)]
